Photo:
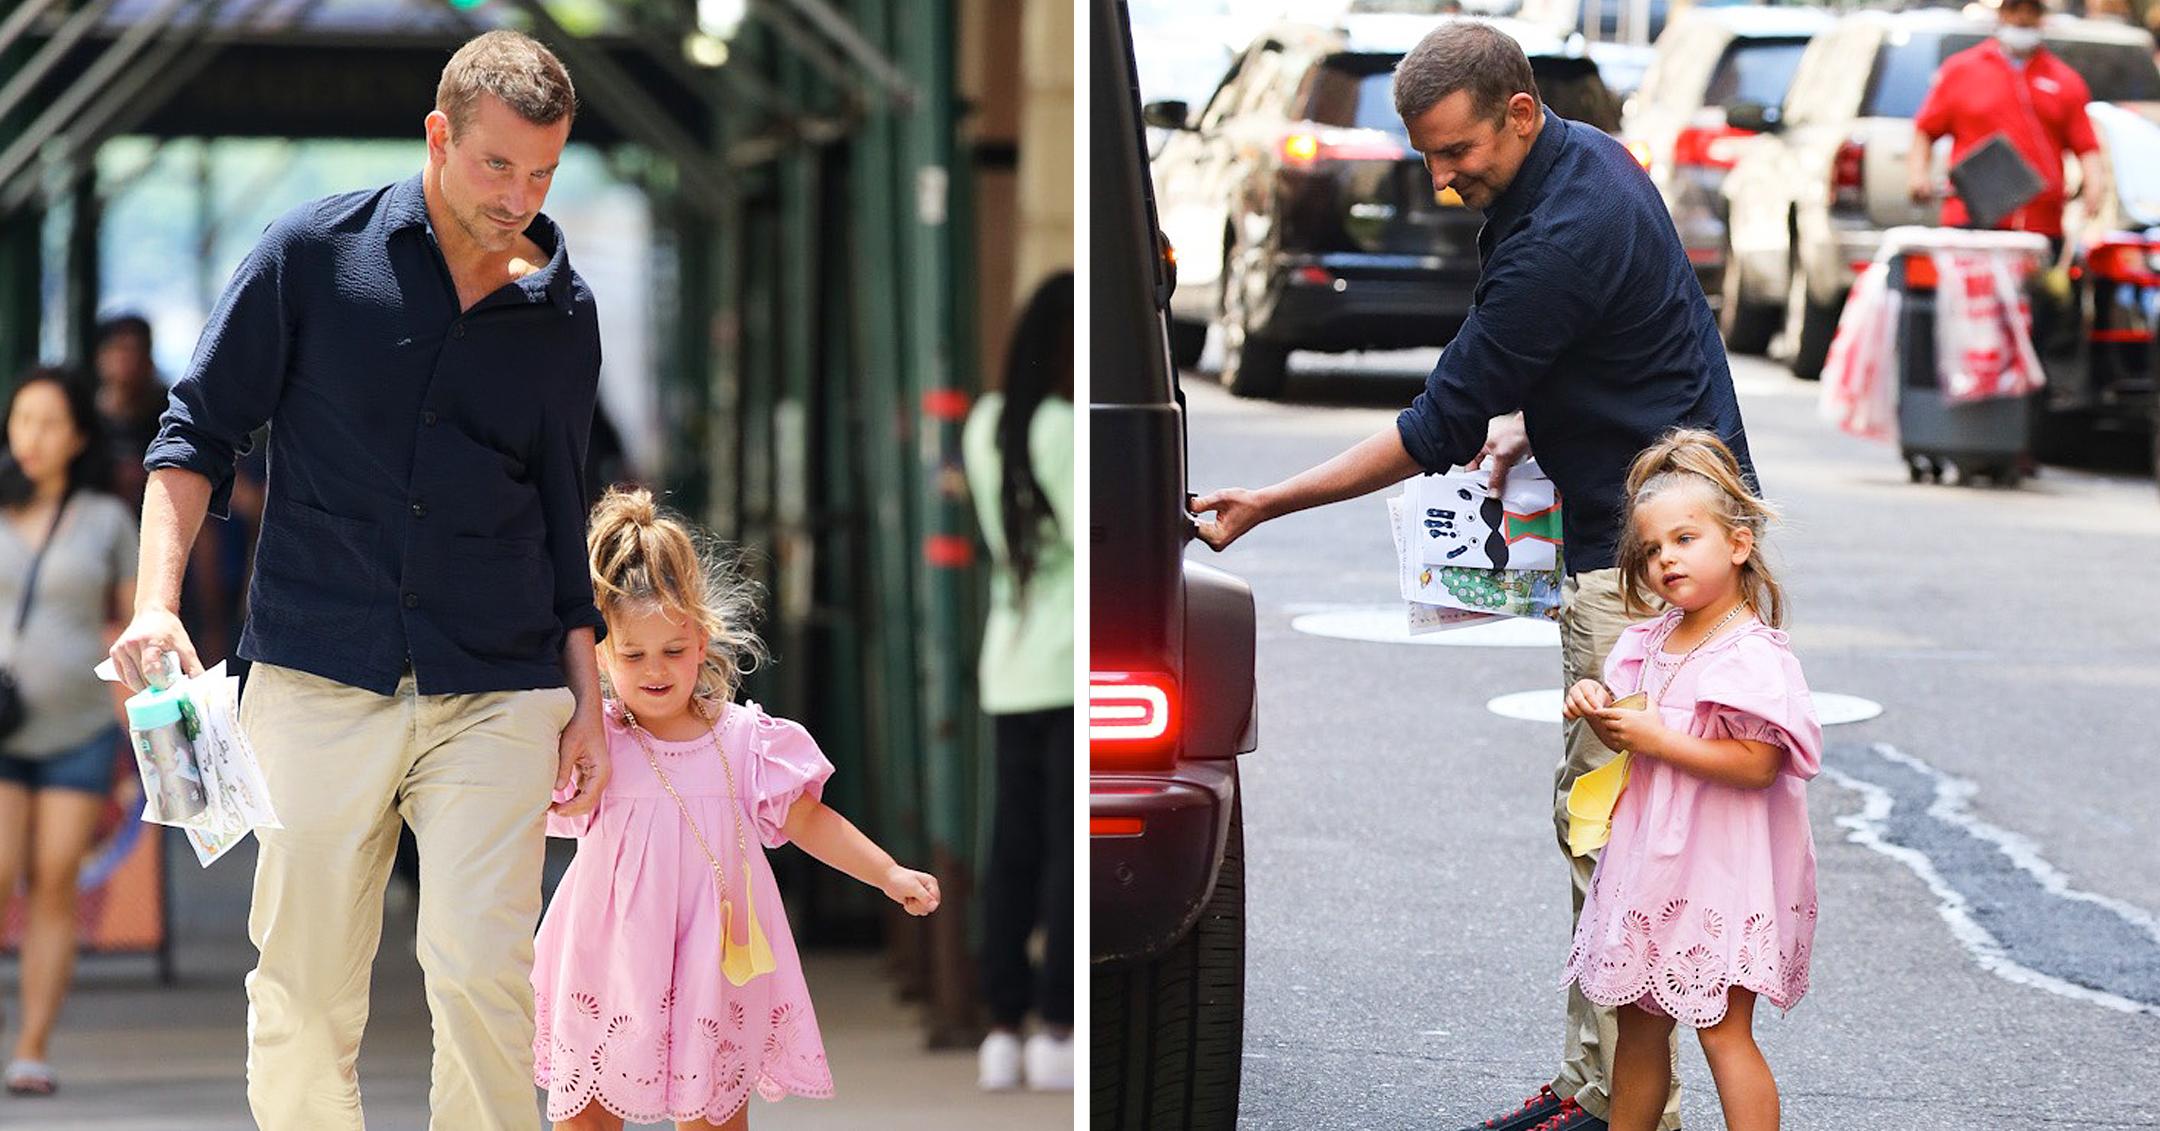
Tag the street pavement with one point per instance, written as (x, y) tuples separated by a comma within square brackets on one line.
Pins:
[(1987, 954), (134, 1056)]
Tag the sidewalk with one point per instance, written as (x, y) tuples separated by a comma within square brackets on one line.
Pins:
[(134, 1056)]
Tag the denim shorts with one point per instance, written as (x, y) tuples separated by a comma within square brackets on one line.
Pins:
[(86, 768)]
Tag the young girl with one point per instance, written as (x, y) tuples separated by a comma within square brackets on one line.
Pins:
[(667, 985), (1705, 895)]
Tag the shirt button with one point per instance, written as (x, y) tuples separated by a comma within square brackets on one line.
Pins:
[(428, 418), (412, 600), (419, 510), (458, 331)]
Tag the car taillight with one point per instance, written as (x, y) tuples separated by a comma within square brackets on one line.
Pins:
[(1708, 147), (1919, 272), (1132, 719), (1640, 150), (1846, 171), (2135, 262), (1309, 147)]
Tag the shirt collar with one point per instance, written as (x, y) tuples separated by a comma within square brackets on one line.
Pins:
[(1529, 180), (406, 207)]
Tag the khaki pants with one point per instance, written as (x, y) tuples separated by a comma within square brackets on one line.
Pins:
[(1591, 619), (471, 774)]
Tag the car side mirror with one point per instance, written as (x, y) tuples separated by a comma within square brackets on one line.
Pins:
[(1166, 115), (1754, 117)]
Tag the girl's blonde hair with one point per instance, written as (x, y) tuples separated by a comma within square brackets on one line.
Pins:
[(1698, 460), (643, 557)]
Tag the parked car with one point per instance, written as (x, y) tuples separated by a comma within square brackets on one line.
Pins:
[(1808, 201), (1302, 218), (1171, 700), (1707, 58)]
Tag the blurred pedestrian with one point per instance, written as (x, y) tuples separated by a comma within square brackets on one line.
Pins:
[(1710, 860), (421, 618), (67, 578), (668, 924), (1590, 339), (130, 397), (1018, 446)]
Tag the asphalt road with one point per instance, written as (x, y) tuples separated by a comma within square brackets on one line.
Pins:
[(1989, 845)]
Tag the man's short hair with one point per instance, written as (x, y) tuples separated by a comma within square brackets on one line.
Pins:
[(1463, 55), (513, 67), (123, 325)]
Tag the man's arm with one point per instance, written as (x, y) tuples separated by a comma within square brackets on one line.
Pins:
[(1375, 462), (174, 504), (1918, 185)]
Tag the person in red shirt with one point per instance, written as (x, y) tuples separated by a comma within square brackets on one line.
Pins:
[(2014, 86)]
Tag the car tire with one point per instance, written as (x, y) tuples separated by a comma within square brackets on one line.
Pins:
[(1255, 368), (1168, 1036), (1809, 327), (1252, 365), (1187, 340), (1746, 327)]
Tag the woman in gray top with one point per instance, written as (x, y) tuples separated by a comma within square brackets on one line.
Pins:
[(56, 768)]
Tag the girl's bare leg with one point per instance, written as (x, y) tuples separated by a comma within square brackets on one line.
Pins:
[(1744, 1086), (740, 1121), (14, 848), (62, 824), (1642, 1069), (592, 1118)]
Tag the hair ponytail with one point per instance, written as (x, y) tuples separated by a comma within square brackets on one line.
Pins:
[(642, 556)]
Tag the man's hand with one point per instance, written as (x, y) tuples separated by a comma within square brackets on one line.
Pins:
[(1236, 510), (581, 760), (142, 646), (1920, 187), (1507, 443)]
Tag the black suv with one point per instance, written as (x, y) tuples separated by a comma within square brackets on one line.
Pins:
[(1301, 216), (1171, 702)]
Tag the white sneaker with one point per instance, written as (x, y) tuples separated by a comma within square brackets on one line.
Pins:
[(997, 1062), (1049, 1063)]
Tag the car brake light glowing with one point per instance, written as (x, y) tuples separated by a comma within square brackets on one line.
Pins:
[(2135, 262), (1709, 147), (1305, 148), (1846, 170), (1116, 826), (1920, 272), (1132, 717)]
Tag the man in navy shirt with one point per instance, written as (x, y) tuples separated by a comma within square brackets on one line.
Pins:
[(421, 618), (1588, 338)]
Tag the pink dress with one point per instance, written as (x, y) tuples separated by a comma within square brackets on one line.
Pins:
[(633, 1010), (1703, 886)]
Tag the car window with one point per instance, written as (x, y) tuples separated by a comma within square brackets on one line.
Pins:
[(1754, 70), (1264, 80), (2116, 72), (1225, 97), (1354, 91), (1905, 66)]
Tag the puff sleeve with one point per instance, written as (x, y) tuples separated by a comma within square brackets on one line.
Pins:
[(785, 764), (1624, 664), (1754, 690)]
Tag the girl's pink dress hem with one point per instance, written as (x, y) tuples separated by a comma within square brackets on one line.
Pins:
[(1705, 887), (634, 1013)]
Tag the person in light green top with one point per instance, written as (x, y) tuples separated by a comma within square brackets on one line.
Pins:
[(1018, 446)]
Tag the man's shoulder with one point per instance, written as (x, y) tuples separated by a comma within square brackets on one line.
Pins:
[(325, 219)]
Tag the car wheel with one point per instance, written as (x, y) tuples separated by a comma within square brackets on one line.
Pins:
[(1252, 366), (1809, 326), (1187, 340), (1168, 1036), (1747, 327)]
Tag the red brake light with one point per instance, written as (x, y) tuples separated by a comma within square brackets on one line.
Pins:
[(1305, 148), (1846, 172), (1920, 272), (1708, 147), (1132, 719), (2136, 263)]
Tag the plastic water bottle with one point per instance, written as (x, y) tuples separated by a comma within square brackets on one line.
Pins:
[(161, 724)]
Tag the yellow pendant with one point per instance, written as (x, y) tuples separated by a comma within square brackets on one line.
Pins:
[(1591, 800), (740, 962)]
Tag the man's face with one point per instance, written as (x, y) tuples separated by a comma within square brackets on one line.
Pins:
[(1471, 153), (493, 176)]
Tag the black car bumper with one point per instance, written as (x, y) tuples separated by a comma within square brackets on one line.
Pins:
[(1156, 842), (1353, 302)]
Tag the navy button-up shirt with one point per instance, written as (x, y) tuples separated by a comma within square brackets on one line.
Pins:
[(426, 503), (1588, 320)]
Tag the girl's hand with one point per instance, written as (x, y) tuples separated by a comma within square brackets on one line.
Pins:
[(1586, 698), (1623, 728), (915, 891)]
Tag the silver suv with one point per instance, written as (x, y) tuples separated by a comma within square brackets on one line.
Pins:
[(1809, 200)]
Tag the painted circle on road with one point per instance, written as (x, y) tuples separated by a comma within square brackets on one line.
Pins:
[(1544, 707), (1389, 624)]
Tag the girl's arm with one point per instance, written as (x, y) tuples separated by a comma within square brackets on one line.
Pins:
[(1738, 762), (838, 844)]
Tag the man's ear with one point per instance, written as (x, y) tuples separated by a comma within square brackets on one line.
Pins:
[(437, 129), (1523, 112)]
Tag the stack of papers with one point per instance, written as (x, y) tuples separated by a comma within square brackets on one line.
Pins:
[(1464, 557)]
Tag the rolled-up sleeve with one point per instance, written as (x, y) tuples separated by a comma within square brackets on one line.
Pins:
[(1535, 300), (562, 496), (233, 382)]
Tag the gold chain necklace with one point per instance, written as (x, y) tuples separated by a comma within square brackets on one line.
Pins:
[(1665, 685), (739, 962)]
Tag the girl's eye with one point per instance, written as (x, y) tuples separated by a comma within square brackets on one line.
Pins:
[(632, 657), (674, 653)]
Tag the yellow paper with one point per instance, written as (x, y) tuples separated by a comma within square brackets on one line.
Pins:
[(1590, 801)]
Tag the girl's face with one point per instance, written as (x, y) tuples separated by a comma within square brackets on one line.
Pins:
[(1693, 560), (41, 433), (652, 659)]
